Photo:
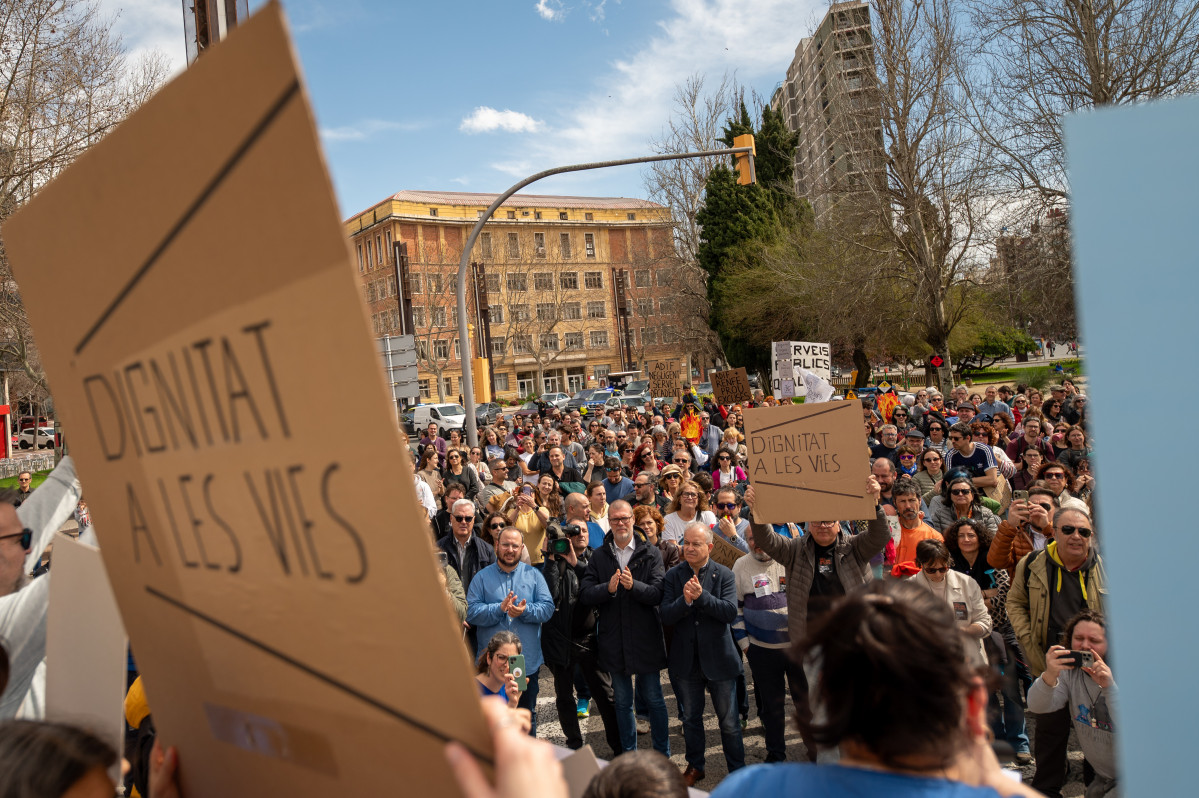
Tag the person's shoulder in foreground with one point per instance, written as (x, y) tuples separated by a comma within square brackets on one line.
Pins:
[(806, 779)]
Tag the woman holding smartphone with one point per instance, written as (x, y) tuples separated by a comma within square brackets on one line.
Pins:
[(492, 672)]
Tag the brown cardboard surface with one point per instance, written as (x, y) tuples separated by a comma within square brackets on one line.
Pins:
[(198, 324), (731, 387), (578, 769), (724, 552), (808, 462), (664, 378), (86, 665)]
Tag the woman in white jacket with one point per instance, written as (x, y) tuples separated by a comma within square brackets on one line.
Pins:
[(959, 591)]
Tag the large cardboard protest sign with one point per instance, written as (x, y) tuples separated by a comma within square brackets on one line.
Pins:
[(664, 378), (808, 463), (788, 358), (86, 662), (731, 387), (278, 590)]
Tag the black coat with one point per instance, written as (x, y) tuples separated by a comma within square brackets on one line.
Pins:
[(705, 626), (629, 637), (571, 628), (479, 555)]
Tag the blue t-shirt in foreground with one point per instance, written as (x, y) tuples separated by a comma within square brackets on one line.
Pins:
[(800, 780)]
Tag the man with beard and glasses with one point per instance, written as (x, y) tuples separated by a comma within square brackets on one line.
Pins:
[(912, 528), (512, 596), (761, 632)]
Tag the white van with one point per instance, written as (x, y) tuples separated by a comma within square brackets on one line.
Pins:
[(447, 417)]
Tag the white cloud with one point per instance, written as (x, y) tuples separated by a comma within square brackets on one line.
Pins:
[(365, 129), (551, 10), (146, 26), (753, 39), (486, 120)]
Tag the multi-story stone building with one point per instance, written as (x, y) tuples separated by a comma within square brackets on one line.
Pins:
[(549, 280)]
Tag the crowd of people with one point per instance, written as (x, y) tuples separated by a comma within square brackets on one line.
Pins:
[(971, 601)]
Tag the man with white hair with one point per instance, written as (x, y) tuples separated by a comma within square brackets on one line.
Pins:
[(699, 597)]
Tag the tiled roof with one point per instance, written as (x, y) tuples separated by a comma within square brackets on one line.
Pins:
[(520, 200)]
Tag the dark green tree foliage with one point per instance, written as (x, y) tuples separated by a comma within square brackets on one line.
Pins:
[(995, 342)]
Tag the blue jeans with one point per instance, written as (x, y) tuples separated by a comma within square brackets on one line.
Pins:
[(649, 690), (724, 701), (528, 700)]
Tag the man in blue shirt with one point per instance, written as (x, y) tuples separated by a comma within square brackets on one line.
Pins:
[(617, 486), (510, 595), (992, 406)]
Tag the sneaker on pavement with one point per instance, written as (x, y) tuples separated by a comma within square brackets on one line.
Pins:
[(642, 726), (1024, 759), (584, 708)]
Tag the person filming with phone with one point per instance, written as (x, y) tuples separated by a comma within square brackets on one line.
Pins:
[(1079, 680)]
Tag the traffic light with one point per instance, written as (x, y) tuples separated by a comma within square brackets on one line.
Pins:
[(744, 161)]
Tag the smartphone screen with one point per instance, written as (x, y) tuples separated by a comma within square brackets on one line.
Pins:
[(443, 559), (516, 666)]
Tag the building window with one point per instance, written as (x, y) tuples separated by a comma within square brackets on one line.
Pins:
[(601, 374), (501, 382), (361, 262), (543, 281), (645, 307), (572, 311), (662, 278), (539, 244), (441, 349), (573, 340), (432, 211), (589, 244), (649, 336), (597, 310), (564, 244), (632, 217), (593, 279), (499, 345), (518, 312), (599, 339), (493, 283), (495, 314), (423, 387), (569, 281), (589, 217), (376, 324), (391, 286), (670, 334), (447, 387), (549, 342), (439, 317), (511, 214), (518, 282), (434, 281), (547, 311), (415, 284), (522, 345), (379, 249), (536, 214), (641, 278), (395, 319), (513, 245), (666, 306), (387, 238), (370, 292), (562, 215), (457, 350), (418, 317), (485, 245), (369, 251)]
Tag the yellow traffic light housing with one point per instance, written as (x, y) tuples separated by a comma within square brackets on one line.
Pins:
[(744, 161)]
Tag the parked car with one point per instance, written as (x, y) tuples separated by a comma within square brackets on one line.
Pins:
[(446, 416), (407, 424), (526, 410), (577, 401), (637, 388), (42, 439), (558, 400), (487, 413), (634, 401), (703, 389), (598, 401)]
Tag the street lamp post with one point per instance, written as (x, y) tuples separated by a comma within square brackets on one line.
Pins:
[(465, 347)]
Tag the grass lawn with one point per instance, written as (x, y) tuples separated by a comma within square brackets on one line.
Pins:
[(1024, 374), (11, 482)]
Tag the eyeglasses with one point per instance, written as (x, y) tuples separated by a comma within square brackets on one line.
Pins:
[(961, 492), (724, 505), (954, 438), (688, 495), (1082, 531), (822, 523), (681, 461), (620, 519), (1054, 475), (933, 459), (907, 457), (463, 519), (25, 535), (931, 570), (494, 527), (673, 476)]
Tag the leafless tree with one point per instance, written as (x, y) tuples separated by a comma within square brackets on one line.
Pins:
[(1040, 61), (65, 82)]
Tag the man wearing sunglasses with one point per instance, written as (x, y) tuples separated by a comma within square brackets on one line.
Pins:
[(1049, 588), (729, 524), (499, 485), (467, 552)]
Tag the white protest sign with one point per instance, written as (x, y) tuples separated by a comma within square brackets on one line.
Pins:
[(790, 358)]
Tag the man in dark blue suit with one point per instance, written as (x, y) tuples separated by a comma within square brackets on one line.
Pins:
[(700, 598)]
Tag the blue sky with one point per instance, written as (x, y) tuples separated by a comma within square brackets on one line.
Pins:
[(473, 95)]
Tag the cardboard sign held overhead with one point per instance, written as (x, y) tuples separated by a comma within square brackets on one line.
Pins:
[(808, 463), (664, 378), (731, 386), (280, 596)]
